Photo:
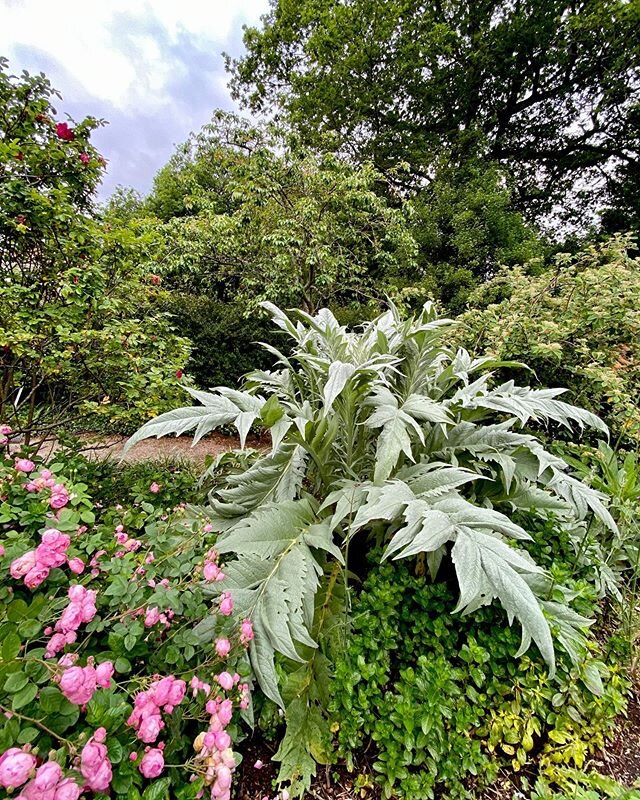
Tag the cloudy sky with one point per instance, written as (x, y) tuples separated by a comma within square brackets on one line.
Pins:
[(152, 68)]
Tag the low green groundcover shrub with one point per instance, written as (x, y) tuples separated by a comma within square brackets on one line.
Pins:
[(445, 702), (104, 686)]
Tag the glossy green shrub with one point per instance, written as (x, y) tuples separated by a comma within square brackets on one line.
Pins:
[(445, 701)]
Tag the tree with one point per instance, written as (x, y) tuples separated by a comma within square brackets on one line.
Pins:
[(76, 328), (267, 219), (548, 89)]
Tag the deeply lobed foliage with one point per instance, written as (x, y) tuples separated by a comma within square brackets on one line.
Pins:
[(382, 436)]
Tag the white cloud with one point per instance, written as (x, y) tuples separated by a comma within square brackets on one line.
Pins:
[(153, 68), (128, 71)]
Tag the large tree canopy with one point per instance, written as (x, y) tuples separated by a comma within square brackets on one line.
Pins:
[(548, 88)]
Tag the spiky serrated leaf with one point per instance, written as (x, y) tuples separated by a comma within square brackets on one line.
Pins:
[(339, 374), (185, 419), (426, 530), (276, 477)]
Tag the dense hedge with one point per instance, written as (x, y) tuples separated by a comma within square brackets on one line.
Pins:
[(225, 339)]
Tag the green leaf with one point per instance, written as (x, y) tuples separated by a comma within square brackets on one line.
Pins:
[(15, 682), (158, 790), (24, 696), (10, 647), (51, 699)]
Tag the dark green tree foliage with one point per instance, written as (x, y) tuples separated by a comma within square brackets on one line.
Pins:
[(252, 215), (466, 228), (549, 89)]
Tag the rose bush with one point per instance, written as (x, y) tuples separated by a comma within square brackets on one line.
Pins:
[(103, 685)]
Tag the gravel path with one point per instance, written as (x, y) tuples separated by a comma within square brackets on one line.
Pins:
[(169, 447)]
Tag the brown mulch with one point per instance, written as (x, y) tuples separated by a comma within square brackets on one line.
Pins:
[(333, 782)]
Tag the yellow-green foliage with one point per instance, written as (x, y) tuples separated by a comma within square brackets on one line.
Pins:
[(576, 325)]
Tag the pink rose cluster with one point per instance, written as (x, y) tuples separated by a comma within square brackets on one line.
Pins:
[(80, 610), (35, 565), (79, 684), (59, 496), (94, 762), (5, 431), (214, 751), (128, 545), (211, 571), (47, 782), (163, 695)]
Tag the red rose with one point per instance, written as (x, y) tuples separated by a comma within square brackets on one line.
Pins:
[(85, 158), (179, 374), (64, 132)]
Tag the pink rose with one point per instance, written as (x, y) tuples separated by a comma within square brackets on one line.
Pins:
[(224, 777), (20, 566), (246, 631), (24, 465), (76, 565), (154, 488), (223, 647), (226, 604), (15, 767), (47, 777), (58, 500), (104, 673), (225, 711), (94, 762), (5, 430), (177, 693), (67, 789), (211, 571), (225, 680), (222, 740), (71, 618), (55, 645), (78, 684), (85, 158), (36, 576), (152, 617), (152, 763), (55, 540), (2, 550), (150, 728)]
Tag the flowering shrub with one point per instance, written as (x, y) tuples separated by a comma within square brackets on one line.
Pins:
[(77, 332), (103, 685)]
